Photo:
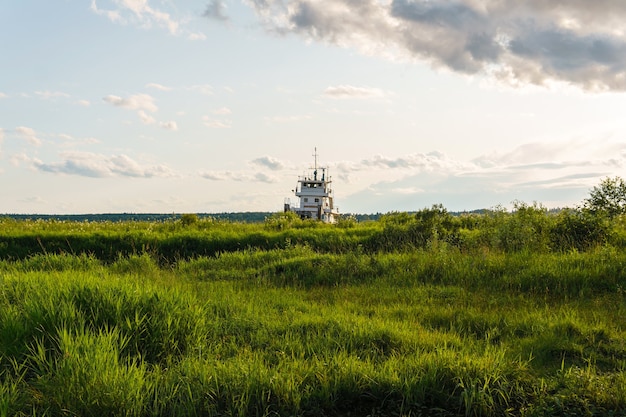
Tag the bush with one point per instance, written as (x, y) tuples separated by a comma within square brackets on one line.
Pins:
[(579, 230)]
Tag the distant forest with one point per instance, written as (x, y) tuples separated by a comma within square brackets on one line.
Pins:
[(242, 217)]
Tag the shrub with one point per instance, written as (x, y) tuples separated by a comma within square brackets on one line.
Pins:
[(579, 230)]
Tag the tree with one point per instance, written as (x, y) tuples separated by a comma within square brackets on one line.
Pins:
[(608, 197), (188, 219)]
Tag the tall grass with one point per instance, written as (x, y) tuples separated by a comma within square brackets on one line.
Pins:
[(529, 228), (468, 316), (391, 337)]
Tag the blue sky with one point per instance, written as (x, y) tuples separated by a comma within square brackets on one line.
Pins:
[(217, 105)]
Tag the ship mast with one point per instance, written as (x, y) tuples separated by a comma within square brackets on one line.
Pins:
[(315, 171)]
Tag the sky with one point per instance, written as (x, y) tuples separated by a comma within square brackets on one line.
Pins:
[(209, 106)]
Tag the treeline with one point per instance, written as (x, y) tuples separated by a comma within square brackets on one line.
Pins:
[(245, 217)]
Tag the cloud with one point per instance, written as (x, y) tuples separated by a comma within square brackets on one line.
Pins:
[(238, 176), (216, 10), (146, 119), (139, 12), (171, 125), (70, 141), (202, 89), (216, 124), (222, 111), (2, 95), (100, 166), (219, 175), (287, 119), (349, 91), (196, 36), (269, 162), (551, 173), (158, 87), (417, 162), (47, 95), (84, 103), (538, 42), (407, 190), (134, 102), (33, 200), (142, 103), (112, 15), (263, 177), (28, 134)]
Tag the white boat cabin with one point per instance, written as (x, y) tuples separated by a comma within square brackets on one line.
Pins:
[(315, 197)]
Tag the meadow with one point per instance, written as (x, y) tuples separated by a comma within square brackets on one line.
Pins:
[(517, 313)]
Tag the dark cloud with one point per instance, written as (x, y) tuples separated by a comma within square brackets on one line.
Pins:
[(536, 41), (216, 9), (448, 14)]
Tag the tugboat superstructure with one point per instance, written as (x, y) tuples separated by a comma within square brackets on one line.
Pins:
[(315, 196)]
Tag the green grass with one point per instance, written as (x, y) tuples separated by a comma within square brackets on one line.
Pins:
[(296, 332), (412, 315)]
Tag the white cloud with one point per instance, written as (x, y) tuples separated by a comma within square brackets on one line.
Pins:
[(134, 102), (158, 87), (2, 95), (538, 42), (430, 162), (18, 158), (407, 190), (196, 36), (139, 12), (47, 95), (222, 111), (349, 91), (141, 103), (287, 119), (216, 124), (112, 15), (84, 103), (218, 175), (70, 141), (28, 134), (205, 89), (146, 119), (93, 165), (171, 125), (549, 172), (36, 200), (237, 176)]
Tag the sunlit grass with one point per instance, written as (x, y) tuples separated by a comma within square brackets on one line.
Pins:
[(294, 330)]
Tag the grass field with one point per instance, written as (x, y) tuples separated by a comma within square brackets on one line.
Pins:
[(291, 326)]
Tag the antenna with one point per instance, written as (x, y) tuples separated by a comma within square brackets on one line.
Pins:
[(315, 172)]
